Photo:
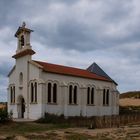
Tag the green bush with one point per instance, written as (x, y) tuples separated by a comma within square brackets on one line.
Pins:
[(4, 116)]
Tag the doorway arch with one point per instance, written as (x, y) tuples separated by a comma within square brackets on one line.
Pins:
[(21, 107)]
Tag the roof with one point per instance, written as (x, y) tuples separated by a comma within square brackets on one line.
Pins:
[(94, 68), (71, 71), (21, 29), (23, 53)]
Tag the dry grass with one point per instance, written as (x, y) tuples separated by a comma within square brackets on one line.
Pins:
[(36, 131), (25, 131), (129, 102)]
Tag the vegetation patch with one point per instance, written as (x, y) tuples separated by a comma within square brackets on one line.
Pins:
[(78, 136), (129, 110), (41, 136), (4, 116), (23, 128), (131, 94)]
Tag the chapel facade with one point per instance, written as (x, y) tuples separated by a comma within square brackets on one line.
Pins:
[(37, 87)]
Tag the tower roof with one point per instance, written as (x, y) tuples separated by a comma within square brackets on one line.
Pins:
[(22, 28), (94, 68), (23, 53)]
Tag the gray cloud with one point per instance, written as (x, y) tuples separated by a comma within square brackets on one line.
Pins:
[(83, 30)]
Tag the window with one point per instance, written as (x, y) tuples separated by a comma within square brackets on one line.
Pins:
[(104, 92), (52, 93), (32, 92), (12, 94), (90, 95), (106, 97), (49, 92), (21, 78), (75, 95), (33, 89), (72, 94)]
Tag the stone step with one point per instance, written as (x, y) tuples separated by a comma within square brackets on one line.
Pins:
[(23, 120)]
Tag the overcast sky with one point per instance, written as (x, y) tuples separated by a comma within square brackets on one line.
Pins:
[(76, 33)]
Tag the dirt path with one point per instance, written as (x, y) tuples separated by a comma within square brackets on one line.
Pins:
[(131, 132)]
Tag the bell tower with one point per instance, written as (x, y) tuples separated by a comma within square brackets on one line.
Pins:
[(23, 42)]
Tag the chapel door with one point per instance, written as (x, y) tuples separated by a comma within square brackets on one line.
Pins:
[(22, 107)]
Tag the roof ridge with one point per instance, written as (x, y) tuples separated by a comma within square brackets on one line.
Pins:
[(71, 71)]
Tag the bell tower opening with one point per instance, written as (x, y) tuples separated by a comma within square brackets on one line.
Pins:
[(23, 41)]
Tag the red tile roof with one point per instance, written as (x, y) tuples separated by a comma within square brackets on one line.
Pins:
[(65, 70)]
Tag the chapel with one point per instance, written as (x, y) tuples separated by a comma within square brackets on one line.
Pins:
[(37, 87)]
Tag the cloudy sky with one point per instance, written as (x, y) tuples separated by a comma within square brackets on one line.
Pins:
[(76, 33)]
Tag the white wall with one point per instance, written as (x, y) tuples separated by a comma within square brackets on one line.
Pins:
[(35, 111), (81, 108)]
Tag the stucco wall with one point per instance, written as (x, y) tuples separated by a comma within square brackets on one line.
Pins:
[(81, 108), (34, 111)]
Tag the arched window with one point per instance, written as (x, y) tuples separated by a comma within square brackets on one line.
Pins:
[(54, 93), (49, 92), (32, 93), (75, 95), (106, 97), (88, 95), (21, 78), (12, 94), (35, 87), (92, 96), (70, 94)]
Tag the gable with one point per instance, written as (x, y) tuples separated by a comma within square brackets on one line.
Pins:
[(12, 70), (34, 70)]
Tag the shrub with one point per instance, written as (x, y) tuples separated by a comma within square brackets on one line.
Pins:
[(4, 116)]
